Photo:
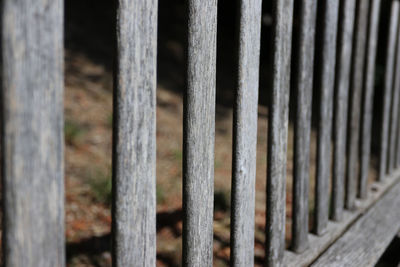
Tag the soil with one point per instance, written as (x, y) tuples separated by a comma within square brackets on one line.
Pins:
[(88, 118)]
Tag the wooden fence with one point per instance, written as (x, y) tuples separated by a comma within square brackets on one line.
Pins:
[(353, 228)]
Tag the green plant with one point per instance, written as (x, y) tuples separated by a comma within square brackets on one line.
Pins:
[(110, 120), (72, 132), (177, 154), (101, 187), (217, 164), (160, 195)]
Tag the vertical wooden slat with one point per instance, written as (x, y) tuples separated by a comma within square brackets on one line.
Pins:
[(393, 135), (134, 139), (368, 94), (245, 135), (199, 133), (278, 132), (397, 153), (325, 84), (32, 138), (342, 84), (387, 94), (303, 86), (357, 71)]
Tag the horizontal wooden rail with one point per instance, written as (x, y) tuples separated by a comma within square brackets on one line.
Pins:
[(366, 240), (318, 244)]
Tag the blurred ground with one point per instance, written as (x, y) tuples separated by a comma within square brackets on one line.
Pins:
[(89, 43), (89, 37), (88, 122)]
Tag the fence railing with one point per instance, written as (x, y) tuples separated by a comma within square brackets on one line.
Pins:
[(334, 50)]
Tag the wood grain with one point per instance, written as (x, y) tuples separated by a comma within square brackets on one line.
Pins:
[(319, 244), (325, 72), (342, 84), (356, 85), (394, 116), (397, 153), (388, 86), (32, 137), (368, 94), (396, 161), (278, 131), (366, 240), (245, 135), (199, 135), (303, 85), (134, 135)]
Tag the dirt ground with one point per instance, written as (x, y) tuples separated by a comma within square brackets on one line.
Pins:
[(88, 123), (88, 120)]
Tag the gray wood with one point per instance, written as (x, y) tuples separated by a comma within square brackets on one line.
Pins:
[(278, 132), (318, 244), (394, 127), (325, 84), (32, 137), (342, 84), (397, 143), (397, 156), (245, 135), (199, 134), (357, 78), (302, 131), (394, 116), (134, 135), (388, 86), (367, 107), (366, 240)]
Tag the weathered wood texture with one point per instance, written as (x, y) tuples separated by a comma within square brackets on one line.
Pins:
[(325, 84), (394, 116), (342, 84), (318, 244), (199, 134), (397, 156), (303, 83), (397, 149), (134, 135), (388, 86), (32, 137), (245, 135), (366, 240), (396, 163), (357, 75), (278, 132), (368, 94)]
